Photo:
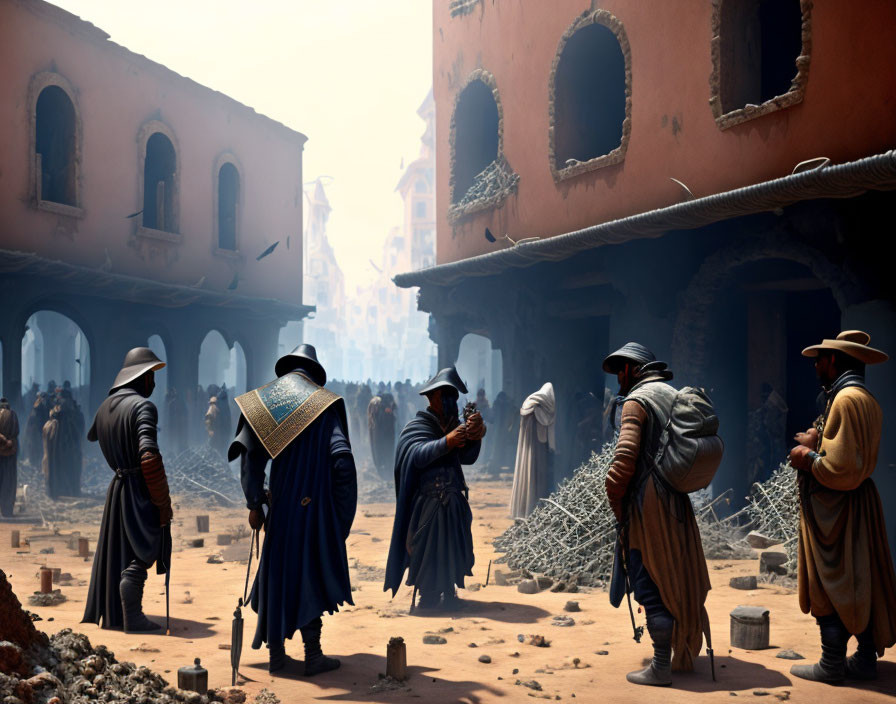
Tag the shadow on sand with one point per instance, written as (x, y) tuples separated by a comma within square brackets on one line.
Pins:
[(503, 611), (180, 627), (731, 675), (360, 671)]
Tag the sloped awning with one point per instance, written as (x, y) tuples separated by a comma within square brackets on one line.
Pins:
[(94, 282), (840, 181)]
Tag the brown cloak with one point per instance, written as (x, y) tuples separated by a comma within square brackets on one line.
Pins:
[(663, 527), (844, 563)]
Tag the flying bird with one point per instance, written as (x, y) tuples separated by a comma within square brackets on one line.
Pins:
[(267, 251), (233, 284), (132, 215)]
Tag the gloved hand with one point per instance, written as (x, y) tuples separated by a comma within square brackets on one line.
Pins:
[(808, 439), (157, 485), (256, 519), (799, 458)]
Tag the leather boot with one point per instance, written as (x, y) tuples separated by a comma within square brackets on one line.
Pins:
[(659, 672), (315, 661), (133, 577), (276, 656), (862, 665), (832, 666)]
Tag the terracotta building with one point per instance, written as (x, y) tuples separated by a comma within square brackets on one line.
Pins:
[(713, 179), (136, 202)]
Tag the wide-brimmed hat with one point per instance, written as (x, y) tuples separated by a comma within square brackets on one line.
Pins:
[(446, 377), (851, 342), (303, 357), (136, 363), (631, 352)]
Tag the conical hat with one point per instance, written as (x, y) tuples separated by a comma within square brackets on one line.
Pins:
[(851, 342)]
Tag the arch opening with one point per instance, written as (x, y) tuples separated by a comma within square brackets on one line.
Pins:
[(759, 42), (55, 352), (55, 147), (476, 138), (159, 169), (228, 204), (589, 96)]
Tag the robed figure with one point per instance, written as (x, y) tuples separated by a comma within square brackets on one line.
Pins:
[(431, 534), (381, 425), (844, 568), (9, 449), (135, 532), (533, 475), (37, 418), (303, 571)]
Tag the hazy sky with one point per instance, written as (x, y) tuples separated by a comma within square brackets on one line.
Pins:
[(350, 75)]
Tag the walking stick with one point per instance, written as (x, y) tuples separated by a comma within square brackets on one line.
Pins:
[(166, 541)]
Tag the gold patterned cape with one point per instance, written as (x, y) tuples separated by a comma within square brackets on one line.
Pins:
[(278, 412)]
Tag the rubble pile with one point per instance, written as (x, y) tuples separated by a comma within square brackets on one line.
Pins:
[(571, 535), (494, 183), (774, 511), (203, 475), (66, 668)]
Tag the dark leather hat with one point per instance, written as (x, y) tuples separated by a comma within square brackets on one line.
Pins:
[(447, 377), (630, 352), (136, 363), (303, 357)]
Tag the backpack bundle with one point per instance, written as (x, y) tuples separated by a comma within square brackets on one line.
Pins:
[(689, 450)]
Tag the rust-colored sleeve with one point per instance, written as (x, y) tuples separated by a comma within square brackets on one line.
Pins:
[(157, 484), (625, 458)]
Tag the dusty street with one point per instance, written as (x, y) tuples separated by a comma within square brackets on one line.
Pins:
[(586, 662)]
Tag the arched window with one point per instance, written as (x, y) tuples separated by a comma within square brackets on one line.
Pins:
[(55, 147), (228, 206), (159, 184), (481, 178), (476, 135), (760, 57), (591, 94)]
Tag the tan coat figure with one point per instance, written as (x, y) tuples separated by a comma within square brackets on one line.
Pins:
[(846, 578)]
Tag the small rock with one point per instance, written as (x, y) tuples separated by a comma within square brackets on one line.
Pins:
[(601, 652), (759, 541), (516, 671), (449, 629), (485, 658), (761, 692), (215, 560), (432, 639), (572, 606), (748, 582), (563, 621), (789, 655), (531, 684), (528, 586)]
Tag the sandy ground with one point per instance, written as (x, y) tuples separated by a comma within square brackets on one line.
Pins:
[(204, 595)]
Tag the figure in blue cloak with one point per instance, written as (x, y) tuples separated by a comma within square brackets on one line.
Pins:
[(431, 535), (303, 570)]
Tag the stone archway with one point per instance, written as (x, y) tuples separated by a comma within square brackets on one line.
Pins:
[(698, 298)]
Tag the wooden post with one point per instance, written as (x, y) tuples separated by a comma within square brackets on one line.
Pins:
[(14, 539), (397, 659), (202, 524), (46, 580), (83, 547)]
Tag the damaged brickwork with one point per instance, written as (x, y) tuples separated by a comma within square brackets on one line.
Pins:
[(617, 155), (459, 8), (497, 181), (792, 97)]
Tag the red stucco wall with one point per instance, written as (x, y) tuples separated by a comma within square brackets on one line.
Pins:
[(117, 92), (849, 109)]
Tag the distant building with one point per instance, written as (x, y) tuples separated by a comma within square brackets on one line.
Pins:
[(390, 339), (136, 202), (324, 285), (663, 156)]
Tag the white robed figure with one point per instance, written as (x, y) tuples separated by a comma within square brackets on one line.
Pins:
[(533, 473)]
